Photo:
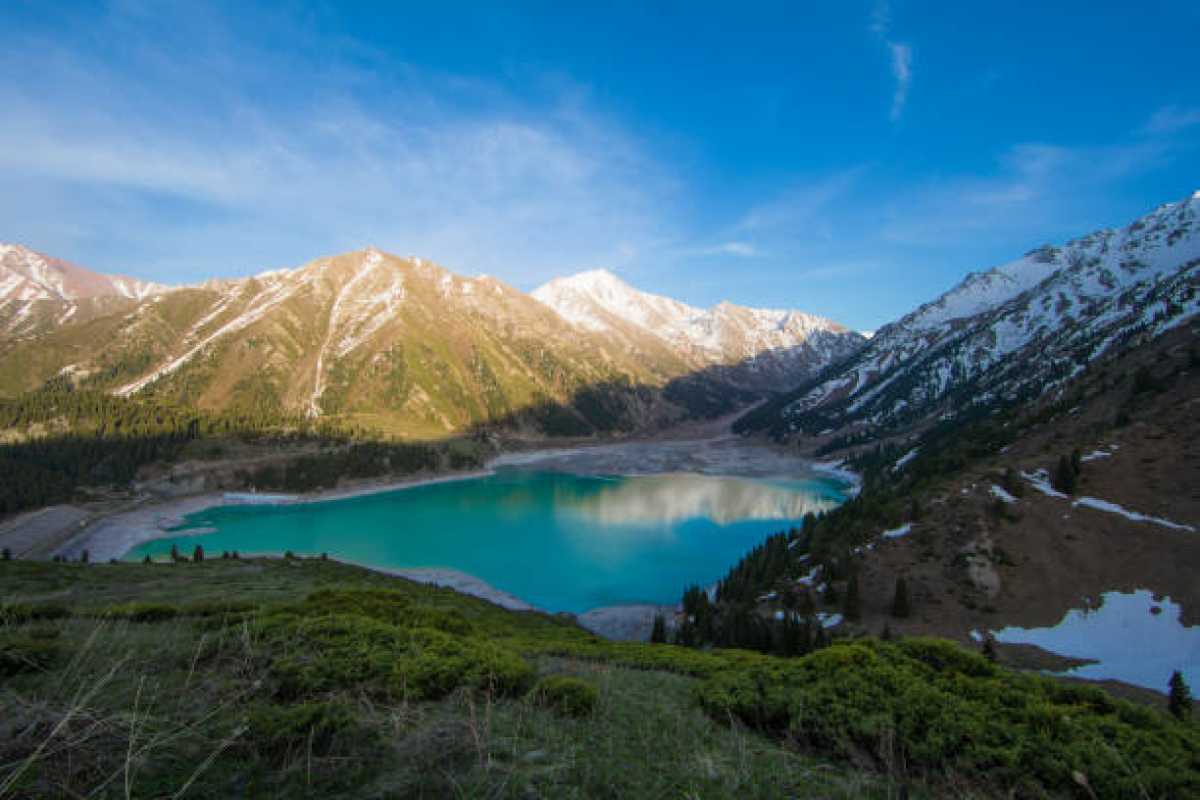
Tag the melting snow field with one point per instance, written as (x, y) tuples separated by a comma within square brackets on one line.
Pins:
[(1128, 642)]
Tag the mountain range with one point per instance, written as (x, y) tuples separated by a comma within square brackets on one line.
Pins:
[(1009, 334), (403, 345)]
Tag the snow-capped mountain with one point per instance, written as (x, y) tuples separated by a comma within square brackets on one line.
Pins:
[(400, 341), (1015, 331), (767, 349), (36, 290)]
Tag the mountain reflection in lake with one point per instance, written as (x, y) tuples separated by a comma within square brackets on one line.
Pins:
[(650, 500)]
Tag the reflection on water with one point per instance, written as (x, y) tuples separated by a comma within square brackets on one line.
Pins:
[(1129, 641), (662, 499)]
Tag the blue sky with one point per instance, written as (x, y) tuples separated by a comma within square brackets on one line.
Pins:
[(853, 159)]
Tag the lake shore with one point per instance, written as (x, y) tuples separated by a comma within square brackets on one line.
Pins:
[(113, 535), (704, 450)]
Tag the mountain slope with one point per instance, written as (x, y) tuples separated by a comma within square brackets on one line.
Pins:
[(398, 344), (1013, 332), (38, 292), (764, 349)]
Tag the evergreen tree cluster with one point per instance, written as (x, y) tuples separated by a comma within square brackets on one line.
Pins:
[(66, 438)]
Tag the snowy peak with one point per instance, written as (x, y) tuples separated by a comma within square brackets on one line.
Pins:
[(1017, 330), (37, 290), (594, 298), (776, 348), (61, 280)]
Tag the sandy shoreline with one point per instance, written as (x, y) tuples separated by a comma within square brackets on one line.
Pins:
[(114, 535)]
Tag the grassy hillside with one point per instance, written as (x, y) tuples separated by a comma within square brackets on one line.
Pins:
[(292, 677)]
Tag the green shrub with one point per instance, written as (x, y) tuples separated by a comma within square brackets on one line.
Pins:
[(25, 653), (20, 613), (140, 612), (341, 651), (568, 696), (942, 710), (217, 608), (277, 730)]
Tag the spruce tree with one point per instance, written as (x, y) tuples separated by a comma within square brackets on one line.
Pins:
[(901, 606), (174, 552), (1012, 483), (6, 554), (84, 557), (1179, 702), (989, 647), (198, 554), (658, 635), (1064, 476), (147, 560)]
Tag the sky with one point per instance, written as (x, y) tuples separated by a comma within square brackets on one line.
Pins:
[(851, 159)]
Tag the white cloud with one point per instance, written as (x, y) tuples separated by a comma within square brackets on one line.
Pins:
[(902, 72), (900, 55), (732, 248), (1036, 187), (170, 167), (1171, 119)]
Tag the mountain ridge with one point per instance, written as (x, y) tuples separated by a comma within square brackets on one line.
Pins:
[(397, 342), (1016, 330)]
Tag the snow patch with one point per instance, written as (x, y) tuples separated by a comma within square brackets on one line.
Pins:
[(1113, 508), (998, 491)]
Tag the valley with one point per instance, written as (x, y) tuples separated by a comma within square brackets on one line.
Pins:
[(1019, 455)]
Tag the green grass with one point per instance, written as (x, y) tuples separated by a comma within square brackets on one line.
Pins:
[(309, 678)]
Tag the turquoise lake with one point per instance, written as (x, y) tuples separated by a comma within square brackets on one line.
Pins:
[(559, 541)]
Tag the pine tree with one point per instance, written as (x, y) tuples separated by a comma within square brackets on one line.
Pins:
[(1012, 484), (1064, 476), (147, 559), (198, 554), (174, 552), (658, 635), (1180, 700), (989, 647), (901, 606), (852, 607)]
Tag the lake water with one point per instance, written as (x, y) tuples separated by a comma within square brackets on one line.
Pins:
[(559, 541), (1125, 639)]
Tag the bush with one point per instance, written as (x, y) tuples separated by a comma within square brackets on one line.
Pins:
[(20, 613), (942, 710), (277, 730), (571, 697), (25, 653), (140, 612), (348, 650)]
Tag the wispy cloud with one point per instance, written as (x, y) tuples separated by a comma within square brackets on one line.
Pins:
[(902, 72), (1035, 187), (732, 248), (1171, 119), (166, 166), (899, 53)]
